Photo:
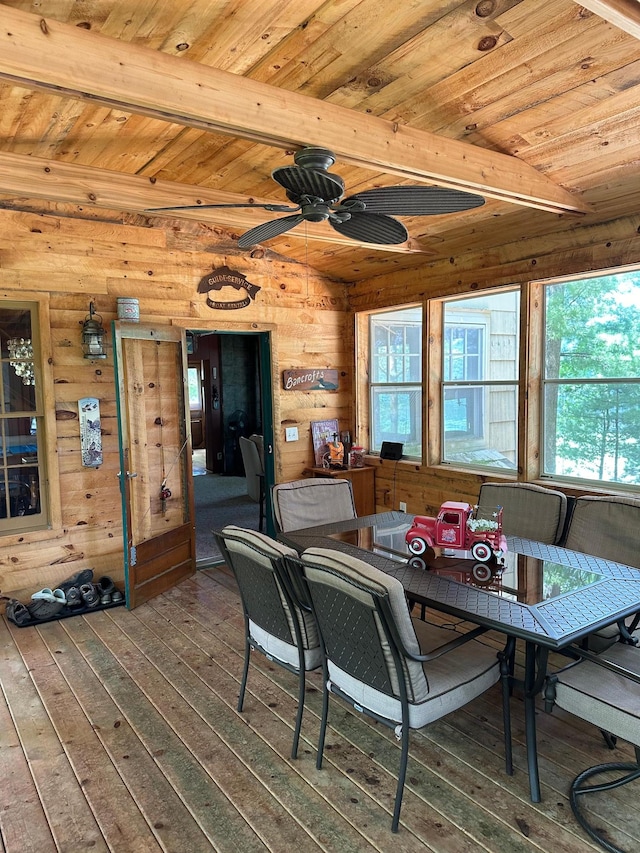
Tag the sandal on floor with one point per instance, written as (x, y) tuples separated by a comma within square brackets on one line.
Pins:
[(49, 595), (90, 595), (42, 609), (74, 599), (17, 612)]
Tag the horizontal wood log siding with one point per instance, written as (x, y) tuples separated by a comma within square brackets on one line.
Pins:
[(66, 263)]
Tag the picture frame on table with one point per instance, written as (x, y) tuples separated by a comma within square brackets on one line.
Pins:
[(322, 432)]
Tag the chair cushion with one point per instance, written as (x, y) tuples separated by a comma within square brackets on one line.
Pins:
[(529, 511), (308, 503), (604, 698), (453, 679)]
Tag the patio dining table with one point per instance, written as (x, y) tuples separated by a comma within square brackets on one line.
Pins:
[(547, 596)]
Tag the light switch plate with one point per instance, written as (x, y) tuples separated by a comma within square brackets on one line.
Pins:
[(291, 434)]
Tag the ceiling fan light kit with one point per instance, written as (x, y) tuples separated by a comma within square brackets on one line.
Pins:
[(367, 217)]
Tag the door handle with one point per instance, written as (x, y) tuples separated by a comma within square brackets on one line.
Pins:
[(129, 475)]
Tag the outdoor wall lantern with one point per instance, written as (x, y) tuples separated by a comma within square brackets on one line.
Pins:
[(93, 335)]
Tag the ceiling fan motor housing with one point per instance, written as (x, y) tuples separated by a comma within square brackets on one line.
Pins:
[(314, 158)]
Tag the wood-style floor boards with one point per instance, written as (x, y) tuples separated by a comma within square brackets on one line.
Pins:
[(119, 731)]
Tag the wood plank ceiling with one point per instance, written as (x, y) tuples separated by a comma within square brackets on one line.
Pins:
[(109, 108)]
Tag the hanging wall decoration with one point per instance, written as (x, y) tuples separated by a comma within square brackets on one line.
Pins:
[(222, 277), (90, 433), (310, 379)]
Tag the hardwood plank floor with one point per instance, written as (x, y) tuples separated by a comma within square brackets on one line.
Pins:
[(119, 732)]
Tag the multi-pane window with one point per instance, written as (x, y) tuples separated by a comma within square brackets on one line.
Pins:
[(463, 352), (591, 399), (480, 380), (21, 420), (396, 379)]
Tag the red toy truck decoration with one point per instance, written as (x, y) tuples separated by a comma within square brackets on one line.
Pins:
[(460, 526)]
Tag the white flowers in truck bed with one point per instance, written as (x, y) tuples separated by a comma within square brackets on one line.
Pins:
[(481, 525)]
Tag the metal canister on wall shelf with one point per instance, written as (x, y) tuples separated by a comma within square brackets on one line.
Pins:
[(128, 309)]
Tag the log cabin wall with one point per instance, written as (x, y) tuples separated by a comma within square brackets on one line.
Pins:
[(66, 263), (521, 261)]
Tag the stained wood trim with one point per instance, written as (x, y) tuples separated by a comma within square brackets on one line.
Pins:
[(46, 54), (624, 14)]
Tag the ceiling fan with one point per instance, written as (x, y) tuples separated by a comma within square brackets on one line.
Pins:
[(366, 216)]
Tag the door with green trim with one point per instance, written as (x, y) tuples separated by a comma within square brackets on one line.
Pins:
[(155, 458)]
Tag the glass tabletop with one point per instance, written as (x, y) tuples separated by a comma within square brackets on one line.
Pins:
[(517, 577)]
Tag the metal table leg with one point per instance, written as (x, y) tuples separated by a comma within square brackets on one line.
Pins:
[(530, 720), (535, 668)]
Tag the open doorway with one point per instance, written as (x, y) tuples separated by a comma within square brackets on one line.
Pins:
[(229, 398)]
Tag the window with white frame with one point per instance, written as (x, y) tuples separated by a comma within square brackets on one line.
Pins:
[(395, 386), (479, 403), (22, 498), (591, 381)]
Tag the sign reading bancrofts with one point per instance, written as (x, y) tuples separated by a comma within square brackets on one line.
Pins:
[(222, 277), (310, 379)]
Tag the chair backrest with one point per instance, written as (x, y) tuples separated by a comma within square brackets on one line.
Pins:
[(529, 511), (606, 526), (258, 440), (269, 606), (252, 466), (364, 623), (307, 503)]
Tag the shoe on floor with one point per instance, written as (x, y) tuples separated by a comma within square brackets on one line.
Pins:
[(83, 576), (74, 599), (117, 597), (89, 595), (17, 612), (49, 595), (105, 585), (42, 609)]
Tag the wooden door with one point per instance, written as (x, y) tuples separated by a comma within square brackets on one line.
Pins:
[(155, 455)]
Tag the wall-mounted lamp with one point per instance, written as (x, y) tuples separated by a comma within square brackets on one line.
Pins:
[(93, 335)]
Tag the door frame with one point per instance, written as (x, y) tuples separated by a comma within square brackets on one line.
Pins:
[(264, 332)]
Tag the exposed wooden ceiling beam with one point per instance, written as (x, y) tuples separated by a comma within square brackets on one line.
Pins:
[(624, 14), (34, 177), (46, 54)]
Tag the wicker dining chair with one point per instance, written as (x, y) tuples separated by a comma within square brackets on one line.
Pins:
[(275, 624), (400, 671)]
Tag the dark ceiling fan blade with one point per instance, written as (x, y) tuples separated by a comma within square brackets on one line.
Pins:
[(274, 208), (415, 200), (371, 228), (317, 183), (268, 230)]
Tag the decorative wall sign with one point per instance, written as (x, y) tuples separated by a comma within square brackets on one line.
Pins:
[(90, 433), (310, 379), (322, 432), (225, 277)]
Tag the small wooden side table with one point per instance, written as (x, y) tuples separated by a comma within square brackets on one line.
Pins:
[(362, 484)]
